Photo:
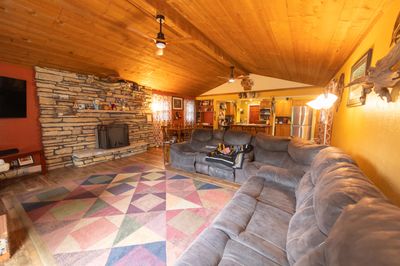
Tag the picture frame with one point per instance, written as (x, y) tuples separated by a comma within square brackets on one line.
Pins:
[(177, 103), (356, 96), (25, 160)]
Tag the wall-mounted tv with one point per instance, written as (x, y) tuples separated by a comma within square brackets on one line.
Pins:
[(12, 98)]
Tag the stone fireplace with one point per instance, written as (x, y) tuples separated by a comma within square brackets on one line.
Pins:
[(69, 130), (112, 136)]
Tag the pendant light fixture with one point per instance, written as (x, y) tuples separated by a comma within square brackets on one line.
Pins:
[(160, 39), (231, 76)]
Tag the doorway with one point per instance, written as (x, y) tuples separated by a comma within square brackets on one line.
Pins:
[(254, 114)]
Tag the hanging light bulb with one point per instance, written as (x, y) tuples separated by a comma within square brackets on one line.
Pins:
[(160, 52), (231, 76), (160, 39)]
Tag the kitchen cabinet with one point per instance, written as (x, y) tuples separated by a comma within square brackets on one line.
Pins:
[(283, 107), (265, 104), (282, 130), (205, 111)]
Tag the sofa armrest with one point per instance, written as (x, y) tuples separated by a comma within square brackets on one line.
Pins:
[(286, 177)]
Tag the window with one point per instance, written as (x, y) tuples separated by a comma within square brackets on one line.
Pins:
[(189, 111), (161, 107)]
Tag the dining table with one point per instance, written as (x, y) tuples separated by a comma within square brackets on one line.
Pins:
[(180, 132)]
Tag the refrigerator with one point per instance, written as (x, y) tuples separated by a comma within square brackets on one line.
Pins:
[(301, 122)]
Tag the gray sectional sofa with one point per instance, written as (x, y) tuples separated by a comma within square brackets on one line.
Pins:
[(282, 152), (330, 215), (190, 156)]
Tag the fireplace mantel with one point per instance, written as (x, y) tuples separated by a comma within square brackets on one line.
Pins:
[(67, 130)]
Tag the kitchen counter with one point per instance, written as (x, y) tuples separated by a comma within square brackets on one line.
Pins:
[(252, 125), (253, 128)]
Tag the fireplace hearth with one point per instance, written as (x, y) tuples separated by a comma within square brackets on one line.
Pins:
[(112, 136)]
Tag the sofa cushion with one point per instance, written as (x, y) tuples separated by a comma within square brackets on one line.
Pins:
[(276, 158), (182, 157), (201, 168), (239, 254), (326, 158), (304, 190), (233, 137), (252, 187), (278, 196), (303, 234), (235, 216), (269, 193), (217, 137), (202, 135), (263, 247), (342, 186), (211, 242), (286, 177), (366, 233), (270, 143), (201, 158), (303, 152), (269, 224), (183, 147), (224, 173)]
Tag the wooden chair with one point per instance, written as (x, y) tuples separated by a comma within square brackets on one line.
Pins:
[(187, 133)]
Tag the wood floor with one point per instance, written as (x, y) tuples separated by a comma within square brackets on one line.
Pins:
[(22, 248)]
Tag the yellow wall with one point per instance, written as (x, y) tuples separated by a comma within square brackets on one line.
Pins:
[(371, 133)]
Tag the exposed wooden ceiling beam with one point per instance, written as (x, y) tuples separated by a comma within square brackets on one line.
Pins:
[(180, 24)]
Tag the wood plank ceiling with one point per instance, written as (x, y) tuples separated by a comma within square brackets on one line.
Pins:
[(303, 41)]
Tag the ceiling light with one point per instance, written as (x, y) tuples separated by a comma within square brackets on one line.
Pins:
[(160, 44), (160, 52), (232, 75), (160, 39)]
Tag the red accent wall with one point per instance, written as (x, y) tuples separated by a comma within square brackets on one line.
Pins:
[(21, 133)]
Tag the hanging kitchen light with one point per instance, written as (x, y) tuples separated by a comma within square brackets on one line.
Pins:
[(160, 39), (231, 76)]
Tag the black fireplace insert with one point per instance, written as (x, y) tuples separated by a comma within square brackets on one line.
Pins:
[(112, 136)]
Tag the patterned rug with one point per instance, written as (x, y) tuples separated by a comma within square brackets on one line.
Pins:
[(137, 216)]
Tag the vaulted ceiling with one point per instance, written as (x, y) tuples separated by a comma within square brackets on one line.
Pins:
[(302, 41)]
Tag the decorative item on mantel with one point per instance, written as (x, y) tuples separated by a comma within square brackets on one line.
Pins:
[(385, 75)]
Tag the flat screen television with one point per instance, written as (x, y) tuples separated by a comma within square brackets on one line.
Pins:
[(12, 98)]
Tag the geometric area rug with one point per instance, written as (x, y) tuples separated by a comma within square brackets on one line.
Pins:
[(139, 215)]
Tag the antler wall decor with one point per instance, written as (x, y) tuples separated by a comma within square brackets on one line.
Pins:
[(385, 75), (247, 83)]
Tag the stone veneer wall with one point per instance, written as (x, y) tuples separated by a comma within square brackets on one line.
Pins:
[(65, 129)]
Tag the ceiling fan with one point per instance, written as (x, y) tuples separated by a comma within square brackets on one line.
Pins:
[(232, 77), (160, 41)]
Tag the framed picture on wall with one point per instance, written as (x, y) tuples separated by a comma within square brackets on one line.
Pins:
[(358, 70), (177, 103)]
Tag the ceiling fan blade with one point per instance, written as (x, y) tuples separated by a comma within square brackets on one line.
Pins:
[(181, 40), (242, 77), (138, 32)]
